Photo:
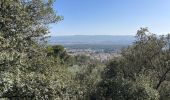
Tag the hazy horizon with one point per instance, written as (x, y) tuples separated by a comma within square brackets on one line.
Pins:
[(88, 35)]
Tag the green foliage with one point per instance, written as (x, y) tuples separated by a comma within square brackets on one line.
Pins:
[(87, 77), (115, 87), (56, 50), (82, 60), (141, 73), (31, 71), (26, 72), (59, 51)]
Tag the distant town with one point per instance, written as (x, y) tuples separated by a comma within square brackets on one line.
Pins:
[(100, 54)]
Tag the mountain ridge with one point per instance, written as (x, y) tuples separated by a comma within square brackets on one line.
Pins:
[(92, 39)]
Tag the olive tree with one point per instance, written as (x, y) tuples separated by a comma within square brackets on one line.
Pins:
[(26, 72)]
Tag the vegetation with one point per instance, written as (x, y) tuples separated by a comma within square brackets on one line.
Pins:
[(142, 71), (31, 70)]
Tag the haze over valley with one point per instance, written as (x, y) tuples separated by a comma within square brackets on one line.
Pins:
[(92, 41)]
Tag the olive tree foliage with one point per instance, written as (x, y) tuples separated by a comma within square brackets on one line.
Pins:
[(25, 70), (141, 73)]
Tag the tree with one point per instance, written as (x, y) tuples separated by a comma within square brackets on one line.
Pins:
[(143, 68), (149, 53), (26, 72), (59, 51)]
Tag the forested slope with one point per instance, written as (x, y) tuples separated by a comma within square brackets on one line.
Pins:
[(32, 70)]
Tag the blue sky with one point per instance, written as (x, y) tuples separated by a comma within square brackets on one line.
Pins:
[(111, 17)]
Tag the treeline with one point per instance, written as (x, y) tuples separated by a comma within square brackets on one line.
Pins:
[(32, 70)]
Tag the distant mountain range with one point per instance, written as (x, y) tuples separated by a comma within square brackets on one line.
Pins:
[(94, 39)]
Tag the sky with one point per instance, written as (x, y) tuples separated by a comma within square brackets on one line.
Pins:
[(111, 17)]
